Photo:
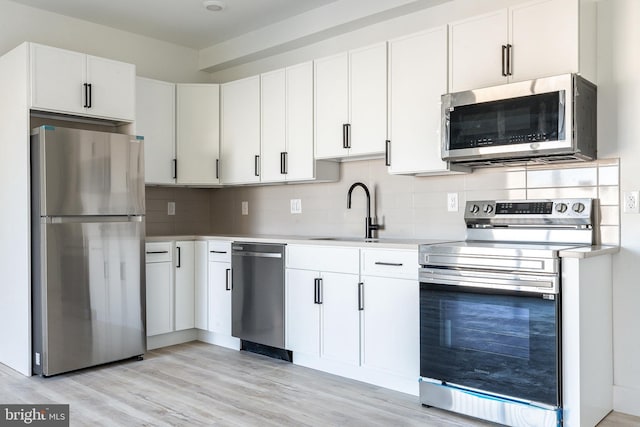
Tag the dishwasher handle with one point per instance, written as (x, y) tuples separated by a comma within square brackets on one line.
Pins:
[(258, 254)]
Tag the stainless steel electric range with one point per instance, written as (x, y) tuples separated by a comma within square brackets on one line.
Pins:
[(490, 310)]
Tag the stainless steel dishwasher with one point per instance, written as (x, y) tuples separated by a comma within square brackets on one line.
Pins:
[(257, 294)]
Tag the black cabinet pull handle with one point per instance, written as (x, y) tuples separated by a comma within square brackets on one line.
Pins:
[(317, 284), (218, 252), (509, 60), (391, 264), (256, 165), (217, 168), (346, 135), (157, 252), (360, 296), (228, 284), (504, 60), (178, 265), (86, 95), (90, 96), (284, 163), (387, 153), (175, 168)]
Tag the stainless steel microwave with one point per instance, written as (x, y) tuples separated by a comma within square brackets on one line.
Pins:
[(547, 120)]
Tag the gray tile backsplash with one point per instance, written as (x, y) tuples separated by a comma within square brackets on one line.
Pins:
[(408, 206)]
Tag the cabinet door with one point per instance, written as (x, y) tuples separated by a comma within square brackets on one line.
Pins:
[(475, 51), (331, 105), (417, 79), (534, 28), (220, 297), (302, 328), (185, 285), (241, 131), (197, 140), (159, 298), (368, 99), (57, 78), (155, 121), (299, 160), (273, 125), (340, 318), (391, 326), (113, 88), (201, 282)]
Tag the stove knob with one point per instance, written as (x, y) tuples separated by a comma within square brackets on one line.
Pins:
[(578, 207), (561, 207), (488, 209), (474, 209)]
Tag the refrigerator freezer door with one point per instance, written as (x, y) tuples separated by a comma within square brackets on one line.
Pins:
[(88, 294), (80, 172)]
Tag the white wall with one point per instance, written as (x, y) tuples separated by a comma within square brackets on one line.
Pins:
[(619, 126), (153, 58)]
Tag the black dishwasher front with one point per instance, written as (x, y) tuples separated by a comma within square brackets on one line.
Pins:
[(257, 295)]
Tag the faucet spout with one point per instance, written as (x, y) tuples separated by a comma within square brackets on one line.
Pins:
[(369, 225)]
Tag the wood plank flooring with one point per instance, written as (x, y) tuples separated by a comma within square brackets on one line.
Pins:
[(199, 384)]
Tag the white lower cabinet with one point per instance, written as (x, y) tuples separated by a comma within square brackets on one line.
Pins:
[(169, 287), (184, 285), (322, 315), (213, 295), (355, 312), (159, 287)]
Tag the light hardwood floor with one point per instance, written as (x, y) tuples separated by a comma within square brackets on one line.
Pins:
[(200, 384)]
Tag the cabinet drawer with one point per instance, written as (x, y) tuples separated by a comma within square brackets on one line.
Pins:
[(219, 250), (390, 263), (159, 252), (336, 259)]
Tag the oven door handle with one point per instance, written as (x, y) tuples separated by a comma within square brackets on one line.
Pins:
[(545, 283)]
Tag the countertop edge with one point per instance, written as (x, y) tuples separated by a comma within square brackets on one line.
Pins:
[(589, 251), (410, 244)]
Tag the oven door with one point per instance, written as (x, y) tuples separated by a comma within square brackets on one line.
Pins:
[(502, 342)]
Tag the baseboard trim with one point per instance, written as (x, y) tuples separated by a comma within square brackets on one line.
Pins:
[(625, 400)]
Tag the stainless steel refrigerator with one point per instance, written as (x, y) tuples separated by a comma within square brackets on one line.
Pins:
[(87, 243)]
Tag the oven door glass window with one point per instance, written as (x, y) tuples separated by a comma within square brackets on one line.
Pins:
[(527, 119), (501, 343)]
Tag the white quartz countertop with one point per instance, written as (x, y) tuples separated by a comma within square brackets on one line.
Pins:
[(305, 240), (589, 251)]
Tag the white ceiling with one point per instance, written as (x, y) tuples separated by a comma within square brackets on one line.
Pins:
[(183, 22)]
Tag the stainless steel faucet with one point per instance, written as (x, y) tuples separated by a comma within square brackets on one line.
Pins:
[(369, 225)]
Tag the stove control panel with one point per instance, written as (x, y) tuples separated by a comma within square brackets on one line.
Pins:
[(529, 212)]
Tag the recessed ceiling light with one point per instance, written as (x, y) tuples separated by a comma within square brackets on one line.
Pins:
[(214, 5)]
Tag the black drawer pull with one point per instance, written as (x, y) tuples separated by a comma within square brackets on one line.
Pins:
[(157, 252), (218, 252), (390, 264)]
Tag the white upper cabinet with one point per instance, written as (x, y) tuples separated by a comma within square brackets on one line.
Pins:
[(155, 121), (287, 124), (273, 113), (198, 134), (515, 44), (240, 143), (69, 82), (417, 79), (351, 103)]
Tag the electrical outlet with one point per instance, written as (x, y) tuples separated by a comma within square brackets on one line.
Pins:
[(245, 208), (171, 208), (631, 204), (452, 202), (296, 206)]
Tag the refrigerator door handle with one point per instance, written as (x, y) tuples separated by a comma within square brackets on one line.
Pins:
[(96, 218)]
